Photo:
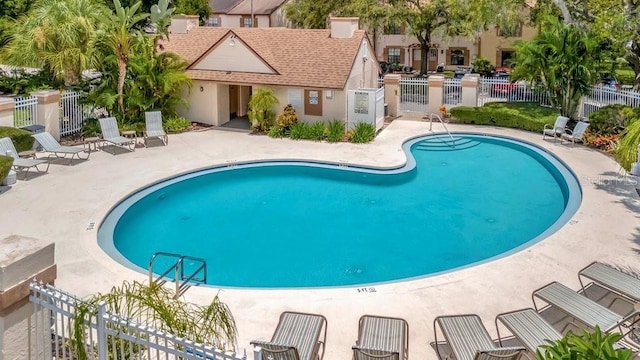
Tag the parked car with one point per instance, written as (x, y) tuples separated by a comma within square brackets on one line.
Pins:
[(608, 80), (503, 87)]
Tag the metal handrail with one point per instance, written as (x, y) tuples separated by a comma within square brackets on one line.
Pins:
[(453, 140), (178, 269)]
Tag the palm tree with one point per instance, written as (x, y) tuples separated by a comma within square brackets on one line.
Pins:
[(59, 35), (561, 58)]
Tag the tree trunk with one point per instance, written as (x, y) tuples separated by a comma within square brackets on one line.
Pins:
[(425, 45), (633, 58), (122, 74), (568, 19)]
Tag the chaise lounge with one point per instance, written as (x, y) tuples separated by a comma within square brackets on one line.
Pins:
[(111, 134), (557, 129), (51, 145), (153, 127), (381, 337), (298, 336), (19, 164)]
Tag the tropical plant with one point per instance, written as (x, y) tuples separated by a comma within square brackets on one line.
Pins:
[(627, 150), (298, 131), (23, 82), (561, 59), (363, 133), (58, 35), (483, 66), (276, 132), (261, 111), (595, 345), (287, 118), (612, 119), (5, 166), (335, 131), (176, 124), (90, 128), (315, 131), (160, 15), (156, 307)]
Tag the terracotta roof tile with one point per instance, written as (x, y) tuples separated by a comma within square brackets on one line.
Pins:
[(301, 57)]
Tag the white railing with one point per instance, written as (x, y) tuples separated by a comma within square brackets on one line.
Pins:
[(25, 112), (500, 89), (414, 94), (108, 336), (72, 113), (452, 92)]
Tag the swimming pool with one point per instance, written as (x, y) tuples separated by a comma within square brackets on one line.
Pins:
[(289, 224)]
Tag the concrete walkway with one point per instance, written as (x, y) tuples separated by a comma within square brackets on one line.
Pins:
[(67, 205)]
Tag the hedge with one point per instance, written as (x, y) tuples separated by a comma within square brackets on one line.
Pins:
[(22, 139), (5, 165), (525, 116)]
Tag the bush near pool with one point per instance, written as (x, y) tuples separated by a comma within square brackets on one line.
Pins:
[(22, 139), (515, 115), (5, 165)]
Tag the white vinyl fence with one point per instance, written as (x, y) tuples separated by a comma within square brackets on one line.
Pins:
[(108, 336), (452, 92), (414, 94), (501, 90), (72, 113), (25, 112)]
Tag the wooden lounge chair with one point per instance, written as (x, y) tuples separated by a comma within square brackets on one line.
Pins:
[(111, 134), (529, 328), (381, 338), (51, 145), (19, 164), (153, 129), (614, 280), (298, 336), (470, 340)]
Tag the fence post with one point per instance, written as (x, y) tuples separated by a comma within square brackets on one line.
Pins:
[(49, 111), (470, 85), (103, 346), (22, 260), (392, 94), (7, 106), (436, 93)]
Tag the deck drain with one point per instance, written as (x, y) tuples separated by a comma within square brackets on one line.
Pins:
[(91, 226)]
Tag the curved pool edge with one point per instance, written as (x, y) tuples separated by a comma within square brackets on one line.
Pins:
[(572, 204)]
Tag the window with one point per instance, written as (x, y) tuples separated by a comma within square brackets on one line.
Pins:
[(507, 57), (457, 57), (515, 31), (245, 21), (213, 21), (393, 30), (393, 56)]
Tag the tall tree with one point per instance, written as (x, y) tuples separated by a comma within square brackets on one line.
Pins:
[(57, 34)]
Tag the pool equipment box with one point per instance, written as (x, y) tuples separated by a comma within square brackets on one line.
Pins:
[(367, 106)]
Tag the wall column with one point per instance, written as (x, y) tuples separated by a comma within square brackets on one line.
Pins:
[(7, 105), (392, 94), (470, 86), (49, 111), (21, 261), (436, 93)]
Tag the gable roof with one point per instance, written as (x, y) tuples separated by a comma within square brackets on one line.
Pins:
[(298, 57), (260, 7), (222, 6)]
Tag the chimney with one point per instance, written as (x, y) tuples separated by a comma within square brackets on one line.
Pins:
[(181, 24), (343, 27)]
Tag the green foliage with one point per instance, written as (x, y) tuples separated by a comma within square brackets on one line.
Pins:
[(595, 345), (261, 109), (625, 76), (612, 119), (22, 82), (287, 118), (276, 132), (315, 132), (90, 128), (194, 7), (22, 139), (298, 131), (483, 66), (363, 133), (627, 150), (525, 116), (155, 306), (562, 59), (176, 124), (335, 131), (6, 162)]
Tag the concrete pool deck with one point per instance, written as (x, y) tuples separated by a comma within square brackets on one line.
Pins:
[(66, 206)]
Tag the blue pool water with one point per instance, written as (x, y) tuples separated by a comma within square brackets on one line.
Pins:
[(291, 224)]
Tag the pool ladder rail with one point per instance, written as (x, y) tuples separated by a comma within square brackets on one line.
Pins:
[(182, 281), (431, 116)]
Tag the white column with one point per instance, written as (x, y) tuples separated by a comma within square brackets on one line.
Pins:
[(470, 85), (7, 105), (49, 111), (436, 93)]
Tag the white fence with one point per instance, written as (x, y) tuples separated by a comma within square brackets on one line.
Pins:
[(500, 89), (25, 112), (108, 336), (414, 94), (452, 92), (72, 113)]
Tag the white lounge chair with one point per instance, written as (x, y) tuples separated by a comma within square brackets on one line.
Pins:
[(381, 337), (577, 134), (529, 328), (612, 279), (19, 164), (470, 340), (111, 134), (153, 129), (557, 129), (51, 145)]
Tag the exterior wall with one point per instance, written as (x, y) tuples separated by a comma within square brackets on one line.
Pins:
[(364, 75), (279, 18), (491, 45), (233, 21), (232, 58), (207, 106), (333, 108)]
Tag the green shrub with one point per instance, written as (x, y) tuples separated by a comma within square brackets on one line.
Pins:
[(176, 124), (612, 119), (483, 66), (315, 132), (276, 132), (363, 133), (625, 76), (90, 128), (334, 131), (525, 116), (298, 131), (287, 118), (5, 165), (627, 149), (260, 109), (138, 127), (22, 139), (594, 345)]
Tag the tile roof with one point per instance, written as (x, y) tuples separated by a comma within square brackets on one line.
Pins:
[(301, 57), (223, 6), (260, 7)]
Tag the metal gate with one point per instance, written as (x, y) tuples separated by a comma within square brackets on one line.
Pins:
[(414, 94)]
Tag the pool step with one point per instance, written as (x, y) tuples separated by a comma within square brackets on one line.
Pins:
[(446, 144)]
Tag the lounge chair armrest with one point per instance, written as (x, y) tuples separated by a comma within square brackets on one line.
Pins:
[(548, 126), (268, 346), (376, 354), (511, 352)]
